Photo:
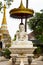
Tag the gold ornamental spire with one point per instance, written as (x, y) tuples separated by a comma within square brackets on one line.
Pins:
[(4, 15), (21, 5)]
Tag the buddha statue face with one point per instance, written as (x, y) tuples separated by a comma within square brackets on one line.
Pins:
[(21, 27)]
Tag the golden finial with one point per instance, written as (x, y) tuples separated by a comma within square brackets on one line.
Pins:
[(4, 15), (21, 1), (21, 5), (4, 9)]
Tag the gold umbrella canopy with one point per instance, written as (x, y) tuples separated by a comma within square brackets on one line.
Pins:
[(21, 12)]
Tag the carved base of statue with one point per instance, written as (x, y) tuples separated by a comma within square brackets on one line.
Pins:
[(21, 48)]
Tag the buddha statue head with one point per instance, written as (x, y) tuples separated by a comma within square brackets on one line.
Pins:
[(21, 27)]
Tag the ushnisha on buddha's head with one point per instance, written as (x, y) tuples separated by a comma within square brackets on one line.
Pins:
[(21, 27)]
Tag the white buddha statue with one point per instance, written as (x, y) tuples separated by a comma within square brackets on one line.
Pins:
[(21, 35)]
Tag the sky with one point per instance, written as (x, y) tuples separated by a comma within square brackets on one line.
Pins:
[(12, 23)]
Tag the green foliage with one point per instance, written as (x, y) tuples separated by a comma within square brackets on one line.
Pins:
[(9, 0), (36, 24), (37, 51), (8, 45), (0, 5), (17, 30), (14, 38), (8, 3), (6, 53), (1, 53), (41, 10)]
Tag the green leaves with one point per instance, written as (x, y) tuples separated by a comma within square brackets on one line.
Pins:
[(6, 53), (37, 51), (14, 38), (8, 3), (9, 0), (36, 24), (0, 5)]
